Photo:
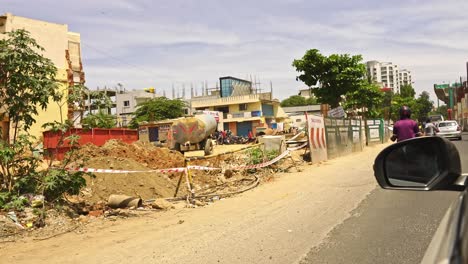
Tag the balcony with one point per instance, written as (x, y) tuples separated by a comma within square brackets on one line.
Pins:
[(243, 116), (219, 101)]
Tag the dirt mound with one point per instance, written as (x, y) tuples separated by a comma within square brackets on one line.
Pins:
[(148, 185), (145, 184), (118, 155), (145, 153)]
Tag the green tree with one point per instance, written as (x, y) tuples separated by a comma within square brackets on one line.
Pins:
[(336, 75), (99, 120), (102, 119), (424, 106), (399, 101), (441, 110), (407, 90), (368, 97), (27, 84), (157, 109), (386, 104), (295, 100), (27, 79)]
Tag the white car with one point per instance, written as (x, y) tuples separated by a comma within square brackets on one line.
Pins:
[(449, 129)]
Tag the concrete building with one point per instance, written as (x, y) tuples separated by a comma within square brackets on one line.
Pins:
[(388, 75), (297, 116), (243, 107), (305, 93), (405, 77), (64, 49), (126, 102)]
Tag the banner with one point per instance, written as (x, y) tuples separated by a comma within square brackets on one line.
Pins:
[(317, 138)]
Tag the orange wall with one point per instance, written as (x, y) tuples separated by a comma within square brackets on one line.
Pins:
[(233, 128)]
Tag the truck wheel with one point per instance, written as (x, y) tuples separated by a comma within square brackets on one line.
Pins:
[(208, 147), (177, 147)]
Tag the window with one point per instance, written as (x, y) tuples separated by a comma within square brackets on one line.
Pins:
[(126, 103), (242, 107)]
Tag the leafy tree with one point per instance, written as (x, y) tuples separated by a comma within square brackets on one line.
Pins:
[(441, 110), (311, 101), (27, 79), (157, 109), (385, 111), (295, 100), (27, 83), (407, 90), (424, 106), (368, 97), (336, 74), (399, 101), (99, 120)]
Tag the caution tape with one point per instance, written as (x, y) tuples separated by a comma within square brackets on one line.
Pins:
[(261, 165), (93, 170), (296, 148), (202, 168), (191, 167)]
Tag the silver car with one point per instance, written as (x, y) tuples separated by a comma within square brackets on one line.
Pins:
[(449, 129)]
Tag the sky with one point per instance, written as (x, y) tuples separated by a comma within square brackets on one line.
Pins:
[(165, 44)]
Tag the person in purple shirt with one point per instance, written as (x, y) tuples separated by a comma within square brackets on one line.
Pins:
[(405, 128)]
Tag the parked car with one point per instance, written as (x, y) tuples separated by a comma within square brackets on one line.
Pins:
[(425, 164), (449, 129)]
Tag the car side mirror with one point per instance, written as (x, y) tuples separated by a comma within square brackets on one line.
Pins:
[(424, 163)]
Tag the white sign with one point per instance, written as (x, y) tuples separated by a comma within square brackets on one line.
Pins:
[(337, 112), (317, 138)]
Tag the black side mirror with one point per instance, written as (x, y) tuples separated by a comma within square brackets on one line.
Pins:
[(424, 163)]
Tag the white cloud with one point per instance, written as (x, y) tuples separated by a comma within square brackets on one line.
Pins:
[(161, 42)]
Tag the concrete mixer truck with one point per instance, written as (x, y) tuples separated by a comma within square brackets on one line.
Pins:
[(194, 133)]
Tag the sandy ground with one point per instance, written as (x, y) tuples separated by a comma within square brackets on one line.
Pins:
[(277, 222)]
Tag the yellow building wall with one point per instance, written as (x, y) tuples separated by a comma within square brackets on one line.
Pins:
[(53, 113), (254, 107), (54, 38), (233, 108)]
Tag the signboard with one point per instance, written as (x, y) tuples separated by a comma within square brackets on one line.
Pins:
[(374, 133), (336, 112), (356, 136), (317, 138), (441, 86)]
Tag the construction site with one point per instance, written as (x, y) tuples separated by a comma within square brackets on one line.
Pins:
[(131, 179)]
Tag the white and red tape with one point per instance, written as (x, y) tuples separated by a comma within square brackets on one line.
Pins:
[(190, 167)]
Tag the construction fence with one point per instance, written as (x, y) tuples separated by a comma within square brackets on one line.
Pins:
[(345, 136)]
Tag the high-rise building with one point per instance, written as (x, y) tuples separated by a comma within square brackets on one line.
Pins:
[(405, 77), (388, 75)]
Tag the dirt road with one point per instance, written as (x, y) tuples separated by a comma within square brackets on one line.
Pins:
[(277, 222)]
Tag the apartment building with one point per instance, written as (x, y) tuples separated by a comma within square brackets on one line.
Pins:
[(405, 77), (244, 108), (388, 75), (64, 49), (126, 103)]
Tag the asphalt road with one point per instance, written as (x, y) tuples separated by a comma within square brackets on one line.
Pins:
[(388, 226)]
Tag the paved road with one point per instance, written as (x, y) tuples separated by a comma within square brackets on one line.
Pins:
[(388, 226), (331, 212)]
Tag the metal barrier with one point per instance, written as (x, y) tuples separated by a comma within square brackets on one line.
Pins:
[(344, 136)]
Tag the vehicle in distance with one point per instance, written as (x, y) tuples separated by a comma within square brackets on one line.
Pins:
[(425, 164), (449, 129), (435, 118)]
